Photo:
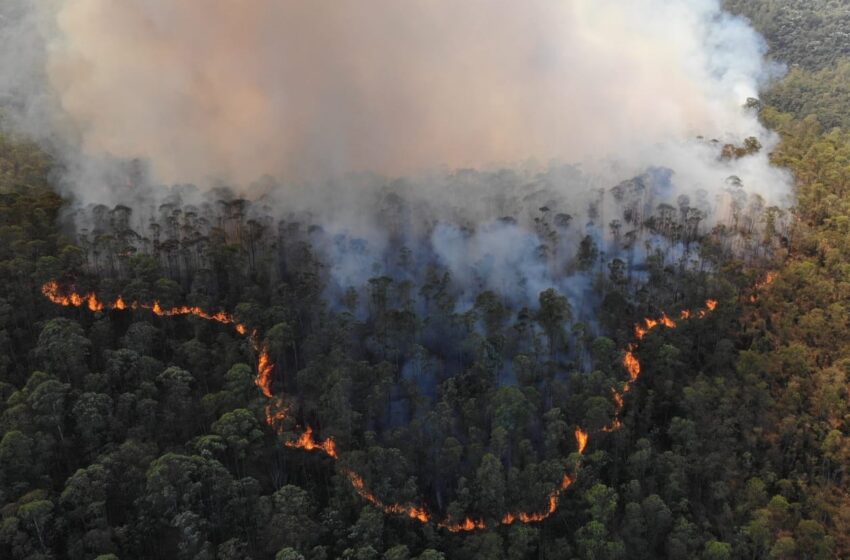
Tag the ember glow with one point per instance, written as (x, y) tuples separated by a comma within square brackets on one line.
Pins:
[(763, 283), (276, 410)]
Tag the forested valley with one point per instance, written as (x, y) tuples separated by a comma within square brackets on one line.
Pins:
[(395, 405)]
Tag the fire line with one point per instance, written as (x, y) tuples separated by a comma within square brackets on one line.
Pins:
[(276, 411)]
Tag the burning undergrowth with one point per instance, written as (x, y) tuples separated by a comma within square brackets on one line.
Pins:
[(425, 333), (429, 308)]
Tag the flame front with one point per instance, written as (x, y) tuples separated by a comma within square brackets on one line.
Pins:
[(276, 411), (90, 300), (306, 442), (265, 368), (412, 512), (631, 362)]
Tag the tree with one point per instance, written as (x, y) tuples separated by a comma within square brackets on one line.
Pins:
[(93, 419), (490, 487), (291, 523), (62, 349), (241, 432), (555, 311)]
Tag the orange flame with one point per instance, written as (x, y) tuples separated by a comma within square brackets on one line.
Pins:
[(581, 439), (52, 291), (306, 442), (265, 368), (412, 512), (276, 411), (618, 399), (630, 359), (632, 364), (467, 524)]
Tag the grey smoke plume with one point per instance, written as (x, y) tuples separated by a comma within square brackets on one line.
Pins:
[(216, 90), (595, 128)]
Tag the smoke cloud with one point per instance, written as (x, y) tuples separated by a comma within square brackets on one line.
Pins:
[(216, 90)]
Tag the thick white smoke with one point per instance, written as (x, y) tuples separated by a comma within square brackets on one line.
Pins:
[(208, 90)]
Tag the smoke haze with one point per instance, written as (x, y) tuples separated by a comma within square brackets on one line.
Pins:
[(215, 90)]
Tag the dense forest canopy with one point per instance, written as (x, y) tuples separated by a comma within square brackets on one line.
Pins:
[(125, 433)]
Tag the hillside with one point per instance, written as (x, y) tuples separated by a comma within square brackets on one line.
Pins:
[(199, 382)]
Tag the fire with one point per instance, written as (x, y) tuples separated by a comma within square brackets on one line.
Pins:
[(554, 498), (276, 414), (767, 281), (306, 442), (615, 425), (581, 439), (618, 398), (631, 363), (412, 512), (467, 524), (265, 369), (90, 300), (763, 283), (276, 411)]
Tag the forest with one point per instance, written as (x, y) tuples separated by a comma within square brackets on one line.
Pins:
[(203, 379)]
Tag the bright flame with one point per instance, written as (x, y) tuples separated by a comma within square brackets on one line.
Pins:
[(53, 293), (307, 443), (412, 512), (630, 359), (276, 411), (467, 524), (631, 363), (265, 369), (581, 439)]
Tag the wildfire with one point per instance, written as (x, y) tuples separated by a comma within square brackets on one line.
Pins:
[(767, 281), (554, 498), (90, 300), (631, 362), (276, 411), (581, 439), (306, 442), (276, 414), (265, 368), (467, 524), (412, 512)]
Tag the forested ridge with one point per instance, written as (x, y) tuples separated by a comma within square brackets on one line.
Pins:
[(129, 435)]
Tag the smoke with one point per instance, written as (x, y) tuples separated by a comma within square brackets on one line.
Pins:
[(215, 90), (584, 130)]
